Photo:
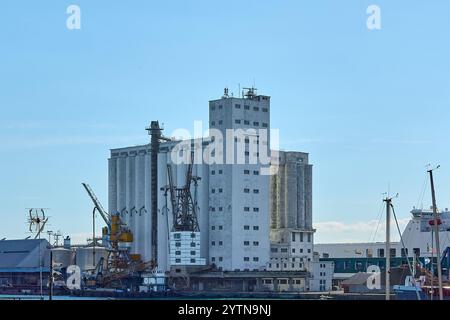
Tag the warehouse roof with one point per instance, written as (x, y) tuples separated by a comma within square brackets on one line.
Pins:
[(22, 255)]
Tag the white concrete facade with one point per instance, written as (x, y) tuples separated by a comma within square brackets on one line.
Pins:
[(239, 193), (185, 249), (322, 276)]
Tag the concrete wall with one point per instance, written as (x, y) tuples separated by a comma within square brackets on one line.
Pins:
[(232, 247), (322, 276)]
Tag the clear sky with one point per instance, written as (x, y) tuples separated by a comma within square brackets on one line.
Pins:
[(371, 107)]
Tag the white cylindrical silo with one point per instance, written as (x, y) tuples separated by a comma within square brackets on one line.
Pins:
[(301, 196), (112, 185), (148, 207), (140, 204), (63, 258), (121, 186), (85, 257), (308, 196), (163, 227), (281, 197), (129, 213), (291, 194)]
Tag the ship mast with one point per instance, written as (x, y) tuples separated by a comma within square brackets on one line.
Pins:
[(436, 232), (388, 247)]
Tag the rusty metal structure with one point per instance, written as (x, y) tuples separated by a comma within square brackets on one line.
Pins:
[(184, 205)]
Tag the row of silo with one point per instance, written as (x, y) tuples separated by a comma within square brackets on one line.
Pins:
[(130, 196), (86, 258), (291, 192)]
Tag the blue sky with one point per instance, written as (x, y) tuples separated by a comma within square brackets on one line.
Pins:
[(371, 107)]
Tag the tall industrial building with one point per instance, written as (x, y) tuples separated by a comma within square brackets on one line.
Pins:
[(248, 220), (239, 193)]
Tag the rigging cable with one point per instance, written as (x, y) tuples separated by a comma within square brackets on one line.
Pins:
[(373, 235), (422, 193), (406, 252), (380, 215)]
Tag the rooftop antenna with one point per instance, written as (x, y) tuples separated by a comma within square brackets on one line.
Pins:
[(56, 237), (37, 221), (49, 232), (251, 92), (225, 93)]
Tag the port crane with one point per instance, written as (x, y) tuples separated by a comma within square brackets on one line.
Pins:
[(119, 261), (184, 207)]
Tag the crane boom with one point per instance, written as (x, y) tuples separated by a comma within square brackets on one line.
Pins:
[(98, 205)]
